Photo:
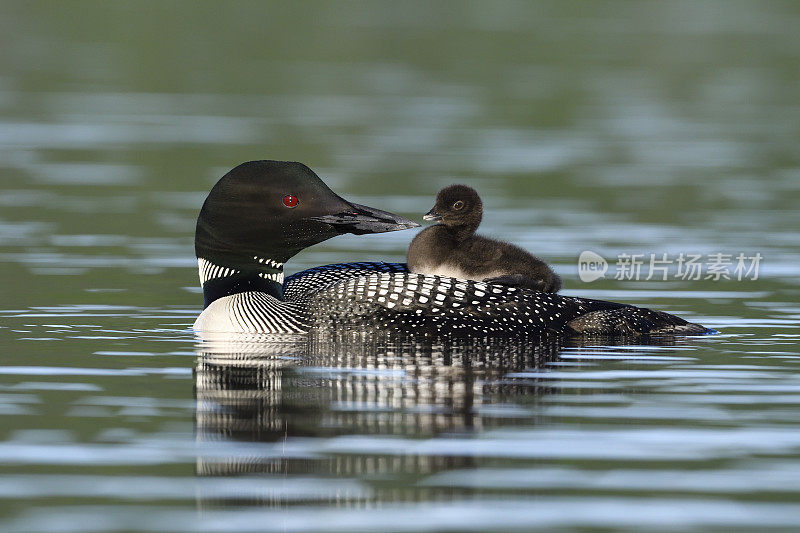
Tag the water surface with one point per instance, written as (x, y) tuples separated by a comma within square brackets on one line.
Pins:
[(616, 127)]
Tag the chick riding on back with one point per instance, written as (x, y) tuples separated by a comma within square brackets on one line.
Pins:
[(451, 248)]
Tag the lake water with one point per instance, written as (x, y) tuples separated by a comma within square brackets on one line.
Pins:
[(612, 126)]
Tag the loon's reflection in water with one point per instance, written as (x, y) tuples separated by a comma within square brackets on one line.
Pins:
[(333, 408)]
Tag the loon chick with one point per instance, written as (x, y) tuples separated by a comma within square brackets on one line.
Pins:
[(262, 213), (451, 248)]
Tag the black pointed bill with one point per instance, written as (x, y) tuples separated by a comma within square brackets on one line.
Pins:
[(362, 219)]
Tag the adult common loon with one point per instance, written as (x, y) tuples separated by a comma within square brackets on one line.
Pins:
[(261, 213), (451, 248)]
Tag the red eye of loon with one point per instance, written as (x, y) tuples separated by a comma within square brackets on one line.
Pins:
[(290, 201)]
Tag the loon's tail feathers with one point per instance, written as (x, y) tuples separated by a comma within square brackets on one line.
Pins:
[(634, 321)]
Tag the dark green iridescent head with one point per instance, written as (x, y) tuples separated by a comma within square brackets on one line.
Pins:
[(274, 209)]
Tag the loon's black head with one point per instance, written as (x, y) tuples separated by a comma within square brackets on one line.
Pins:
[(269, 210), (457, 207)]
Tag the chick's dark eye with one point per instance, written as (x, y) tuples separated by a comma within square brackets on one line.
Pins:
[(458, 205), (290, 201)]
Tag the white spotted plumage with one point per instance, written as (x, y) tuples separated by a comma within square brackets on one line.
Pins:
[(361, 295), (386, 296)]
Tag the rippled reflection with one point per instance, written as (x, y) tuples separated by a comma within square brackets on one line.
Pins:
[(359, 387), (385, 416)]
